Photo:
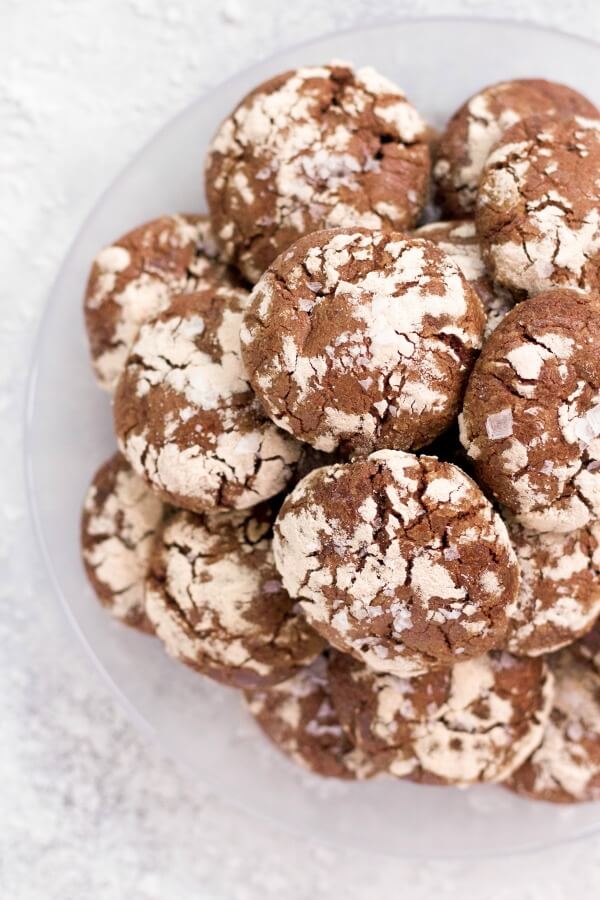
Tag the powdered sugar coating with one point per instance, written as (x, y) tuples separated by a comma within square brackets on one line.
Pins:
[(566, 766), (317, 147), (538, 205), (559, 597), (218, 604), (531, 420), (298, 716), (479, 124), (135, 278), (118, 527), (459, 240), (475, 722), (363, 546), (186, 416), (358, 339)]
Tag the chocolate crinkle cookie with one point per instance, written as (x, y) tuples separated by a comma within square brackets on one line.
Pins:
[(216, 601), (538, 205), (186, 416), (480, 123), (459, 240), (398, 560), (120, 519), (531, 416), (317, 147), (356, 340), (559, 597), (135, 278), (298, 717), (565, 768), (478, 721)]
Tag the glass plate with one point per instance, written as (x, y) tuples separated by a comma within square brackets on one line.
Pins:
[(439, 62)]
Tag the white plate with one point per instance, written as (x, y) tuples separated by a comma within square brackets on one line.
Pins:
[(439, 63)]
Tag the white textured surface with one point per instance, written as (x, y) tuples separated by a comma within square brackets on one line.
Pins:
[(87, 808)]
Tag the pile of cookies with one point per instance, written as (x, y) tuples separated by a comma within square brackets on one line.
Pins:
[(358, 474)]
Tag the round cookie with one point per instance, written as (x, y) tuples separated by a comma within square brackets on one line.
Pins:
[(531, 415), (559, 597), (538, 205), (477, 721), (185, 414), (118, 525), (297, 715), (565, 768), (316, 147), (134, 278), (398, 560), (356, 340), (480, 123), (217, 603), (459, 240)]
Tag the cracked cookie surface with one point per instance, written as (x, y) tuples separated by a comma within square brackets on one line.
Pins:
[(479, 124), (398, 560), (119, 522), (317, 147), (531, 416), (135, 278), (538, 205), (459, 240), (475, 722), (217, 603), (298, 717), (186, 416), (356, 340), (559, 596), (565, 768)]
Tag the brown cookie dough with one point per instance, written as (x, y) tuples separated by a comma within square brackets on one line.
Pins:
[(298, 717), (559, 597), (477, 721), (588, 646), (118, 526), (317, 147), (538, 205), (357, 340), (135, 278), (216, 601), (480, 123), (531, 417), (398, 560), (459, 240), (185, 414), (566, 766)]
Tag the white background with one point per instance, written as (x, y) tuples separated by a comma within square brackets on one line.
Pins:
[(87, 809)]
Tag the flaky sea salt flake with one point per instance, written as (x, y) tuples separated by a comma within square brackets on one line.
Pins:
[(499, 425)]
